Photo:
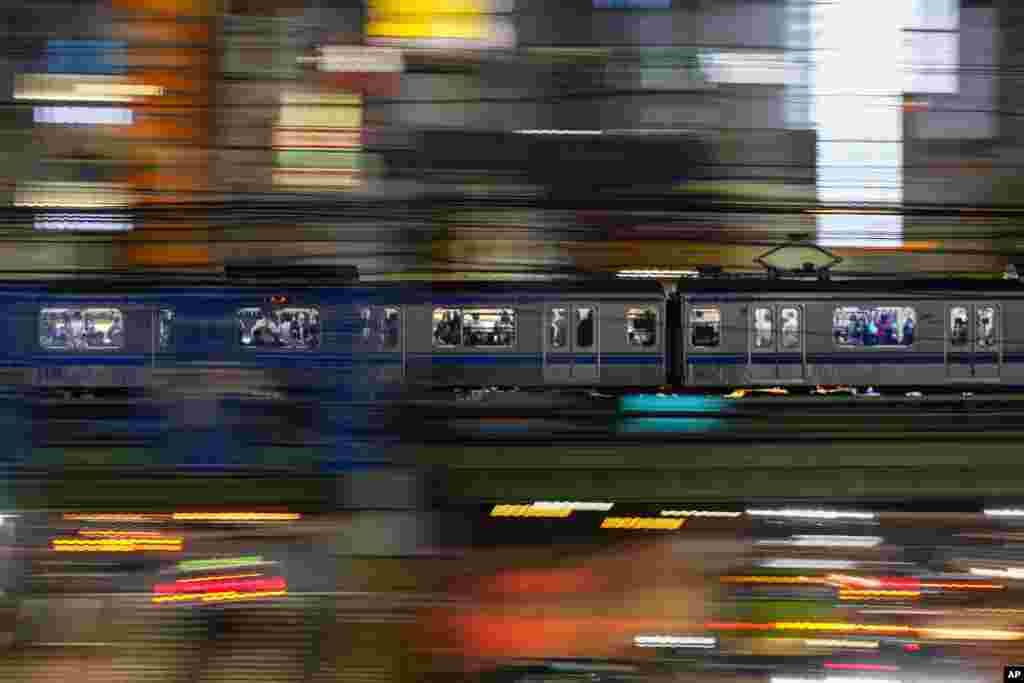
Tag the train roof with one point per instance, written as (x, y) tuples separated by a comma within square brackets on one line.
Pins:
[(839, 284)]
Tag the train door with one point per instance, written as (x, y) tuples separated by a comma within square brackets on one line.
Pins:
[(776, 342), (973, 341), (571, 343)]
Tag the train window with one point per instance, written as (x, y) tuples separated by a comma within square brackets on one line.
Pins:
[(447, 327), (166, 328), (763, 333), (790, 318), (558, 330), (958, 322), (706, 325), (292, 327), (584, 327), (81, 328), (390, 328), (641, 326), (366, 324), (874, 325), (986, 317), (488, 327)]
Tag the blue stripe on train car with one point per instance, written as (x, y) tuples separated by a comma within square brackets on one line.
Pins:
[(632, 359), (876, 358), (47, 360), (508, 359), (566, 358)]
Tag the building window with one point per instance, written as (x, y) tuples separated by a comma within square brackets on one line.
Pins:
[(869, 326), (166, 328), (763, 332), (642, 326), (474, 327), (706, 327), (81, 328), (292, 328)]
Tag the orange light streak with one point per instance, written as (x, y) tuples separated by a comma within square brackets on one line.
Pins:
[(237, 516)]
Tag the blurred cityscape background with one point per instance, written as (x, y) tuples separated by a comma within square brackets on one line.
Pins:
[(287, 539), (503, 136)]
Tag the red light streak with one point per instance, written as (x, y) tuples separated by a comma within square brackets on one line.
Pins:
[(218, 586)]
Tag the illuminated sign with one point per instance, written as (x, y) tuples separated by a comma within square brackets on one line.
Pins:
[(89, 116), (641, 523), (85, 57), (65, 88), (346, 58), (82, 222), (439, 23)]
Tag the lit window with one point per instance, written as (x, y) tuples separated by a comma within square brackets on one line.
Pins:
[(474, 327), (868, 326), (958, 326), (558, 330), (81, 328), (986, 331), (706, 327), (166, 328), (790, 317), (447, 327), (389, 327), (292, 327), (763, 332), (488, 327), (585, 328), (641, 326)]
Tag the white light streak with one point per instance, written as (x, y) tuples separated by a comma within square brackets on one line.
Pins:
[(656, 273), (82, 222), (832, 679), (675, 641), (94, 116), (1009, 573), (812, 514), (558, 132), (699, 513), (573, 505), (827, 541), (1005, 513), (797, 563), (353, 59)]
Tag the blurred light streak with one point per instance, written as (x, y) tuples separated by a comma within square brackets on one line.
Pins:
[(348, 58), (1009, 573), (831, 643), (219, 597), (827, 541), (82, 222), (699, 513), (115, 517), (772, 579), (641, 523), (120, 533), (217, 586), (576, 506), (221, 563), (1015, 512), (116, 545), (217, 578), (811, 514), (529, 511), (831, 679), (236, 516), (92, 116), (876, 594), (675, 641), (655, 273), (554, 131), (80, 88), (853, 666), (944, 633), (72, 195), (798, 563)]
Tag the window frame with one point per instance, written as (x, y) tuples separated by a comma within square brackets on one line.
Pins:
[(690, 344), (462, 346), (82, 308), (279, 349), (657, 326), (871, 307)]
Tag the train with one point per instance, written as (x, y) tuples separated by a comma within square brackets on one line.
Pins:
[(251, 333)]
